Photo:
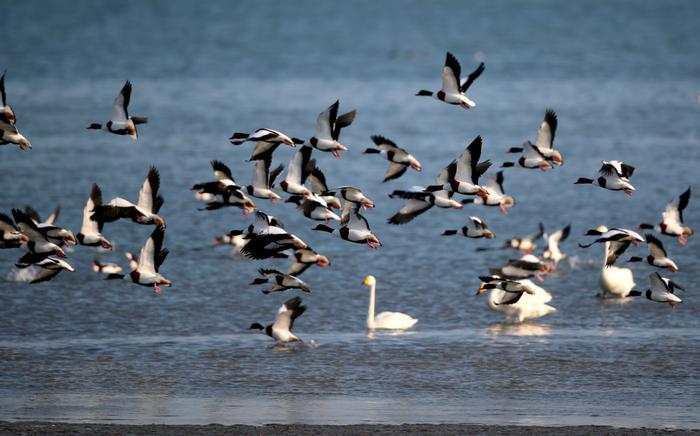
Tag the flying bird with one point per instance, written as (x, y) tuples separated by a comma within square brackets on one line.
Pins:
[(328, 126), (672, 220), (544, 143), (452, 91), (266, 141), (223, 191), (475, 228), (145, 211), (91, 231), (151, 257), (614, 176), (121, 122), (281, 329), (400, 159), (281, 281), (657, 255)]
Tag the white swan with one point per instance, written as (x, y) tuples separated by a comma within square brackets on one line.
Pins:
[(385, 320), (529, 306), (614, 281)]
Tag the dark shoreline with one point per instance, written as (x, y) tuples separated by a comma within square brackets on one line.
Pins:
[(41, 428)]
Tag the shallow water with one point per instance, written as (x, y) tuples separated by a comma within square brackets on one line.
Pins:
[(622, 76)]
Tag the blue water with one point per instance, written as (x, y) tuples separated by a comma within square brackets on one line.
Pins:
[(622, 76)]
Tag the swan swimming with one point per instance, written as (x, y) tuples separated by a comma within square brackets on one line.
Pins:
[(385, 320)]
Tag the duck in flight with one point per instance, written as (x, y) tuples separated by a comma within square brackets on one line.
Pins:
[(672, 220), (281, 329), (121, 122), (328, 126), (150, 259), (453, 89)]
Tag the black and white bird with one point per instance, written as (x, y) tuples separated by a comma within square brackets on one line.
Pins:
[(151, 257), (106, 267), (657, 255), (10, 235), (400, 159), (224, 191), (91, 231), (297, 172), (281, 281), (145, 211), (49, 268), (317, 209), (514, 290), (264, 180), (661, 290), (121, 122), (464, 172), (614, 176), (54, 233), (7, 115), (525, 267), (475, 228), (420, 200), (34, 215), (356, 230), (328, 126), (266, 141), (303, 258), (268, 238), (235, 238), (38, 245), (452, 91), (319, 187), (281, 329), (672, 220), (495, 195), (544, 143), (8, 131), (619, 240), (524, 244), (532, 158), (553, 253)]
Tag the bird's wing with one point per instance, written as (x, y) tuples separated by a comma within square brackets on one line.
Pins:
[(342, 121), (149, 191), (147, 255), (467, 82), (545, 134), (221, 171), (657, 282), (409, 211), (27, 226), (120, 112), (450, 74), (655, 247), (288, 312), (89, 226), (296, 171), (45, 274), (326, 120)]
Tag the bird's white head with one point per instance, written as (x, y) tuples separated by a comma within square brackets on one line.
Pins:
[(369, 281)]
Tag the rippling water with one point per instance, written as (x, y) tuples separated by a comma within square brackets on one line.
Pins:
[(622, 76)]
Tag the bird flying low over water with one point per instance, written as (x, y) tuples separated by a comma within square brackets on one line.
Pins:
[(544, 143), (303, 259), (298, 170), (661, 290), (672, 220), (328, 126), (524, 244), (619, 240), (552, 252), (281, 329), (8, 131), (532, 158), (266, 141), (10, 234), (463, 173), (264, 180), (356, 230), (452, 91), (223, 191), (91, 231), (145, 211), (50, 267), (517, 300), (614, 175), (39, 245), (514, 290), (525, 267), (657, 255), (121, 122), (268, 238), (105, 267), (400, 159), (282, 281), (475, 228), (495, 195), (151, 257)]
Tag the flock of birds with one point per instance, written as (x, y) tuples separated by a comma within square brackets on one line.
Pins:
[(512, 292)]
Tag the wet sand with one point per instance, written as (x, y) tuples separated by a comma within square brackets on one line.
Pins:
[(41, 428)]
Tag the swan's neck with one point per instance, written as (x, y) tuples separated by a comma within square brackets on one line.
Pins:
[(370, 311)]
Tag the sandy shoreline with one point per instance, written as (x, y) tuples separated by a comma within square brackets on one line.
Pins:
[(36, 427)]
